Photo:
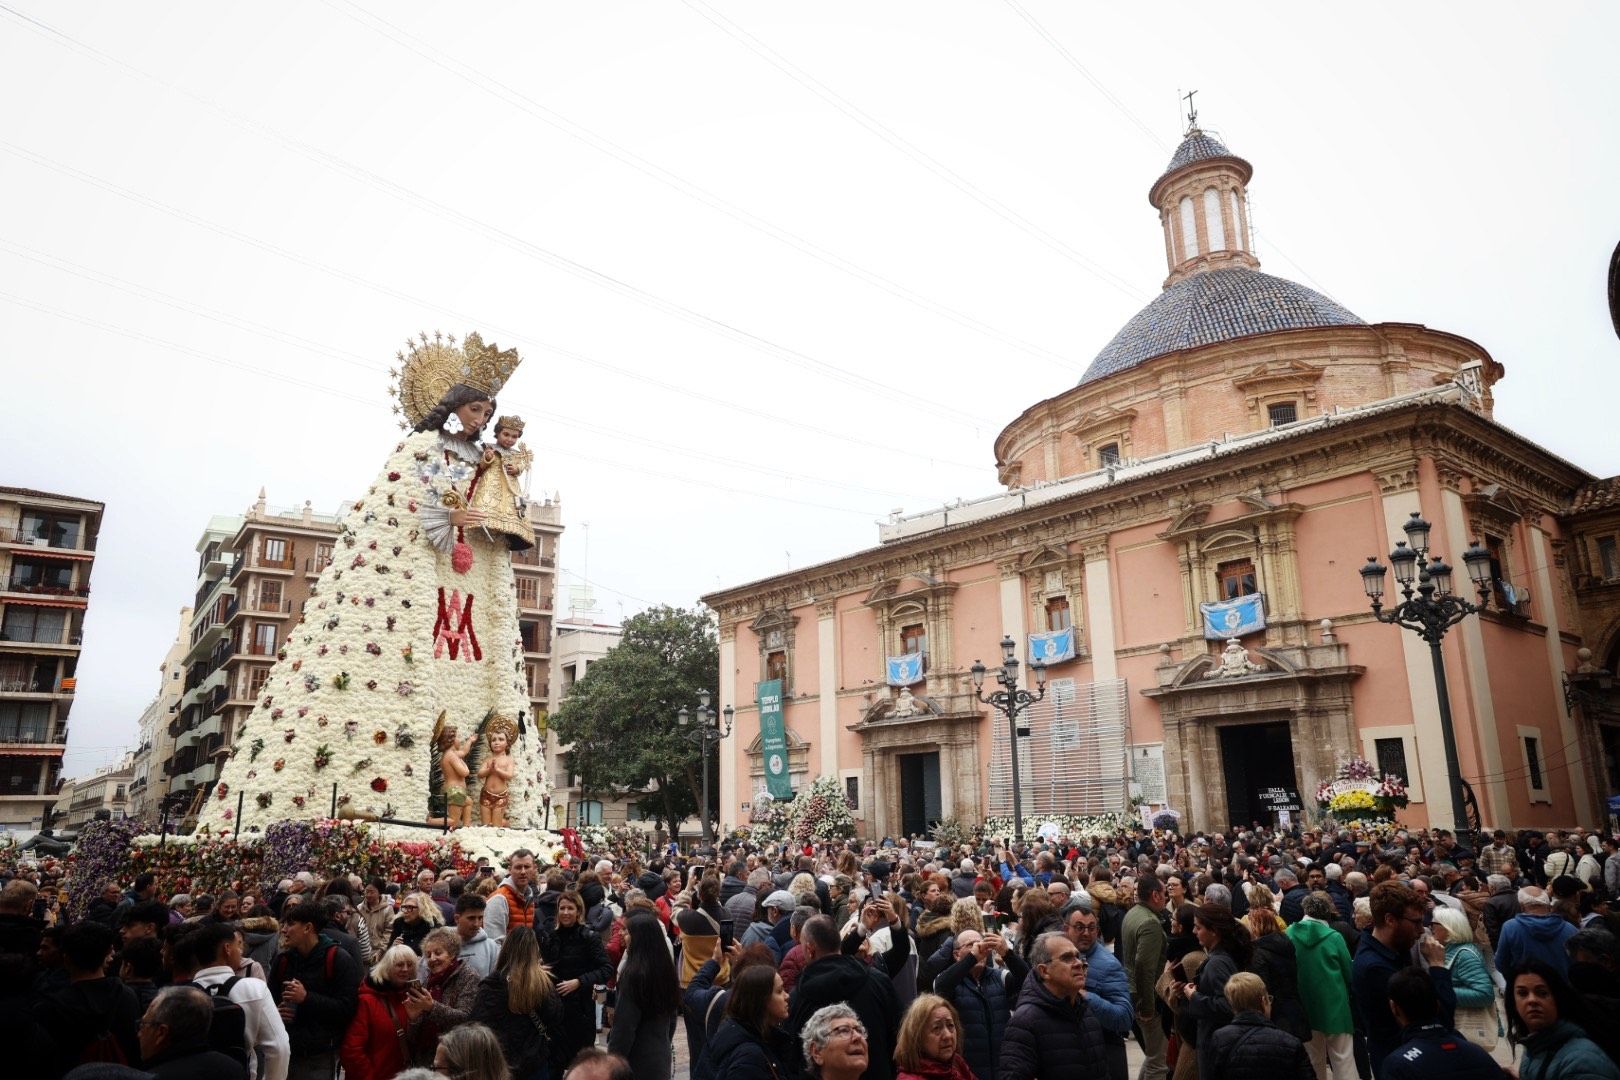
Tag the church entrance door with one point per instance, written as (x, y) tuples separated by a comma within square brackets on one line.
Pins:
[(1255, 757), (920, 803)]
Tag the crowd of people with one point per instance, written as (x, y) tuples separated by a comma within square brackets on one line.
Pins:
[(1224, 956)]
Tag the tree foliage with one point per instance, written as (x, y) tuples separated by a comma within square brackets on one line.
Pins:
[(620, 718)]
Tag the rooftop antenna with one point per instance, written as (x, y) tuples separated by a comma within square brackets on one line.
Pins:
[(1192, 110)]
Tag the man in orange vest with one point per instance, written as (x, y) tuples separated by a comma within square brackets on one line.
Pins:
[(513, 903)]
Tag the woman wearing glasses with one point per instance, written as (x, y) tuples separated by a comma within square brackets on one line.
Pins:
[(418, 914), (835, 1046), (929, 1044)]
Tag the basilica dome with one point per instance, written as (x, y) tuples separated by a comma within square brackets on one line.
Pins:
[(1211, 306)]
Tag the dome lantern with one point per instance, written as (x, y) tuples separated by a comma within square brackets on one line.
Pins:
[(1203, 206)]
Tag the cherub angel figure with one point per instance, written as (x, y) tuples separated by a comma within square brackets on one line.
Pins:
[(453, 751), (496, 773)]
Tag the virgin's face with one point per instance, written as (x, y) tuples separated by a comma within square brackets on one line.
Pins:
[(474, 415)]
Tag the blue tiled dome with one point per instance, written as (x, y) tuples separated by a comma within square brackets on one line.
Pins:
[(1197, 146), (1212, 306)]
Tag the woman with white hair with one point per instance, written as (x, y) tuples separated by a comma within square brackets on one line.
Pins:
[(1470, 978), (835, 1046), (418, 914), (376, 1046)]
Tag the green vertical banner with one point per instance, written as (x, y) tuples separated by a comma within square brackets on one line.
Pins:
[(773, 739)]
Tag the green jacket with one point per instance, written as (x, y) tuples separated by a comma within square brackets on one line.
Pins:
[(1322, 964), (1142, 943)]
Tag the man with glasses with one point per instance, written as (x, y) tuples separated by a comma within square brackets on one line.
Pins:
[(1107, 989), (1055, 1033), (1386, 947)]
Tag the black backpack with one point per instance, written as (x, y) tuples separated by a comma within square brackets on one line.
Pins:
[(228, 1032)]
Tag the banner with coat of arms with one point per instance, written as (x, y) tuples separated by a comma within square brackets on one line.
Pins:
[(906, 670), (1234, 618), (1053, 648)]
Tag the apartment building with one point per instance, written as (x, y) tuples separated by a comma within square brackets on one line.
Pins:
[(105, 789), (579, 643), (535, 574), (149, 785), (47, 551), (254, 573)]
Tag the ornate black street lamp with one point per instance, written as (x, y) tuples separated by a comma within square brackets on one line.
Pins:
[(1429, 609), (1011, 700), (706, 734)]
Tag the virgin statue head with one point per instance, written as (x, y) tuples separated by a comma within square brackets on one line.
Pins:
[(472, 407)]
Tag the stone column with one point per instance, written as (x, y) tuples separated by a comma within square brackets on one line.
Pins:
[(827, 685), (730, 801), (1100, 609)]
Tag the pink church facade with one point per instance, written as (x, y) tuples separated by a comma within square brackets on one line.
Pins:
[(1237, 452)]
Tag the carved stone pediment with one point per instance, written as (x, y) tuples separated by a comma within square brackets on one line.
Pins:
[(1279, 376), (896, 709), (1102, 421), (919, 585)]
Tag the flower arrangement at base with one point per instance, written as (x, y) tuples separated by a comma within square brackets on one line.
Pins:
[(821, 813), (1072, 826), (1357, 793)]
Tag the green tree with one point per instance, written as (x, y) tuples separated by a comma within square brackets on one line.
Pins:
[(620, 718)]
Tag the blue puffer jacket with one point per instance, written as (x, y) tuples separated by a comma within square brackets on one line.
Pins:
[(1108, 991), (984, 1006)]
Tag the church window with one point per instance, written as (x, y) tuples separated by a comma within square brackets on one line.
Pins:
[(1107, 454), (914, 639), (852, 792), (1391, 755), (1236, 579), (776, 665), (1189, 227), (1212, 220), (1608, 558), (1532, 762), (1057, 614), (1241, 241), (1282, 412)]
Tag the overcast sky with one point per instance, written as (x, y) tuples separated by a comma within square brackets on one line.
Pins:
[(774, 269)]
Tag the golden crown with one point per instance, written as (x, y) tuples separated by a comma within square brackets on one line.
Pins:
[(429, 367)]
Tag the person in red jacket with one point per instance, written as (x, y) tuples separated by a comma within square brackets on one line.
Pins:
[(375, 1046)]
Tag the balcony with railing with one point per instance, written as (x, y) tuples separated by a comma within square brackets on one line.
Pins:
[(315, 564), (17, 634), (51, 539), (22, 586)]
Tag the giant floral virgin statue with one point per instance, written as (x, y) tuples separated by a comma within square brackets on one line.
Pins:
[(403, 683)]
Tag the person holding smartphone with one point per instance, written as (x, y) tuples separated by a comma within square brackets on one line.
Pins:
[(376, 1044)]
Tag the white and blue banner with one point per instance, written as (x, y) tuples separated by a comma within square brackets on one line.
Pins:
[(1053, 648), (1234, 618), (906, 670)]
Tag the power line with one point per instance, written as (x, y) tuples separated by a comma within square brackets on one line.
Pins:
[(794, 357), (910, 150), (510, 95), (554, 450), (68, 266)]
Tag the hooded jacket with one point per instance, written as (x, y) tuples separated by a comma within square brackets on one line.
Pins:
[(1563, 1052), (78, 1014), (1053, 1039), (1540, 937), (1322, 970), (1274, 961), (831, 980)]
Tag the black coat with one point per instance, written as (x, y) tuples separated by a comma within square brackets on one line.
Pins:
[(1253, 1048), (735, 1053), (1052, 1039), (323, 1016), (1274, 962), (76, 1015), (1208, 1007), (1499, 908), (528, 1040), (195, 1062), (834, 980), (1292, 906), (983, 1005)]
